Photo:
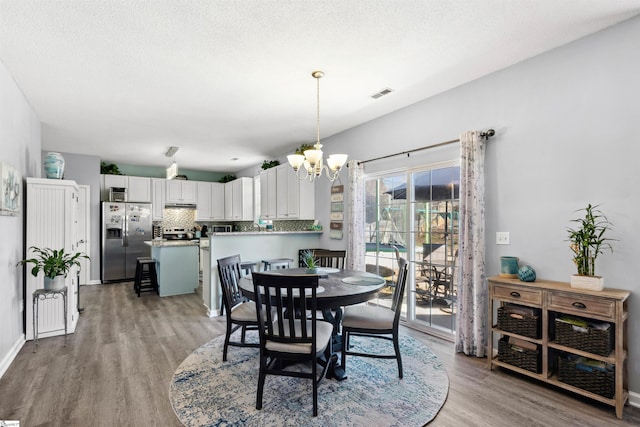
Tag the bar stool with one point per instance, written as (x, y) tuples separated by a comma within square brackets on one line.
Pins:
[(146, 279), (247, 267), (276, 263)]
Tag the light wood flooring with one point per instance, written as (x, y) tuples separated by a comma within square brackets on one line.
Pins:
[(116, 368)]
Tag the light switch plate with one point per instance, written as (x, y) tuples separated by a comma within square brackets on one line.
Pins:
[(502, 238)]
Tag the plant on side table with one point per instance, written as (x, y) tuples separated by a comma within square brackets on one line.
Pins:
[(55, 264), (587, 242), (309, 260)]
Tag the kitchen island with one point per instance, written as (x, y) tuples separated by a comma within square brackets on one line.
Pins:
[(252, 246), (176, 266)]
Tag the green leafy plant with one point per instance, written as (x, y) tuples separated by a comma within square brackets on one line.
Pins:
[(303, 148), (109, 169), (309, 259), (269, 164), (588, 239), (53, 262), (227, 178)]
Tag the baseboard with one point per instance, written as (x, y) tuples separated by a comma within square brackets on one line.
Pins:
[(13, 353), (634, 399), (93, 282)]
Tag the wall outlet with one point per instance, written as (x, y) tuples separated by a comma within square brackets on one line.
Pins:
[(502, 238)]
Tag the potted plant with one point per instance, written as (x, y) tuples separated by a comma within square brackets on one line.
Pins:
[(309, 261), (587, 242), (268, 164), (55, 264)]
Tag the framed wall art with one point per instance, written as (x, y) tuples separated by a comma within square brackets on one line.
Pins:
[(337, 212), (10, 183)]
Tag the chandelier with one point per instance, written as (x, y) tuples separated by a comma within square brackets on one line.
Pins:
[(309, 166)]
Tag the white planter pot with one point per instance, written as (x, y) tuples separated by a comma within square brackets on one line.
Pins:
[(55, 283), (593, 283)]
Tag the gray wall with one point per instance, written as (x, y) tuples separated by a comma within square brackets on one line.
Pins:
[(566, 136), (20, 147), (86, 170)]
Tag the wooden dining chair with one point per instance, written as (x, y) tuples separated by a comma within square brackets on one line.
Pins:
[(241, 313), (330, 258), (376, 322), (290, 331)]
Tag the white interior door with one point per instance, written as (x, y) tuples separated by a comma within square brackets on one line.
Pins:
[(83, 232)]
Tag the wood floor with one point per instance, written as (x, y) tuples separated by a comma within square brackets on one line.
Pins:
[(116, 368)]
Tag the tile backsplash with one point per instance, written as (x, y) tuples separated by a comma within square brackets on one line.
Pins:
[(184, 218)]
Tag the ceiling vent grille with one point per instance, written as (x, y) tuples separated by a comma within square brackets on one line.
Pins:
[(382, 93)]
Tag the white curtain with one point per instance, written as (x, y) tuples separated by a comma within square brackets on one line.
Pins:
[(471, 321), (355, 221)]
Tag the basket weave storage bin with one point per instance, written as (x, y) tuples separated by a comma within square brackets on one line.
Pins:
[(595, 381), (529, 360), (528, 326), (594, 340)]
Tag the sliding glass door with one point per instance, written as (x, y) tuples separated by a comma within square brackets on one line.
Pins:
[(414, 214)]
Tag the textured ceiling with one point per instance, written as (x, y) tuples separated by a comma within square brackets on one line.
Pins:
[(125, 80)]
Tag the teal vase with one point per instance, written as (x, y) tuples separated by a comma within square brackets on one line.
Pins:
[(54, 166)]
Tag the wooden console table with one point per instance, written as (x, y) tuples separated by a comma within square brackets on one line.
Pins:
[(557, 298)]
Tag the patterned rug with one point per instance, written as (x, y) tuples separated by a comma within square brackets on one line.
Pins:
[(205, 391)]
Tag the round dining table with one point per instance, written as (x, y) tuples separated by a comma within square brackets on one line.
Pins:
[(336, 289)]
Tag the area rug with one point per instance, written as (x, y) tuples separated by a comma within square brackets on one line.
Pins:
[(205, 391)]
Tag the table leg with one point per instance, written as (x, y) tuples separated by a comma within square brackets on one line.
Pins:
[(334, 316)]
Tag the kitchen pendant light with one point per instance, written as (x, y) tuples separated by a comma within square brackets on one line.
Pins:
[(311, 162)]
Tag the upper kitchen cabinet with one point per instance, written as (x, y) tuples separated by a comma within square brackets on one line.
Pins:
[(139, 189), (268, 194), (238, 199), (295, 198), (120, 181), (158, 198), (203, 203), (181, 191), (217, 201)]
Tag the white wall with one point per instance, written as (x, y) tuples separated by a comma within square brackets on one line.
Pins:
[(20, 147), (566, 136)]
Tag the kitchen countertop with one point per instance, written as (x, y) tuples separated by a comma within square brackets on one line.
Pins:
[(172, 243), (261, 233)]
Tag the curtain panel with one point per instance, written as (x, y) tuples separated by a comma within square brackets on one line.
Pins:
[(355, 225), (472, 303)]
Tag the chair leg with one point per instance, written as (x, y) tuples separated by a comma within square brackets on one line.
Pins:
[(243, 333), (227, 337), (261, 376), (314, 370), (396, 346), (345, 345)]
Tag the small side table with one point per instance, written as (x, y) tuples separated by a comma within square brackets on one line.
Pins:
[(43, 294)]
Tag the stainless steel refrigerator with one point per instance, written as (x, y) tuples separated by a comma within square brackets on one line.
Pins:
[(125, 227)]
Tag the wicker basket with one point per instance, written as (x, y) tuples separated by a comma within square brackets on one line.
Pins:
[(527, 326), (592, 340), (529, 360), (595, 381)]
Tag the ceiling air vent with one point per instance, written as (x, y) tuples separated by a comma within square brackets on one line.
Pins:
[(383, 92)]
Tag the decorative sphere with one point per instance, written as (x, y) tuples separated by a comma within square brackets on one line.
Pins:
[(527, 274)]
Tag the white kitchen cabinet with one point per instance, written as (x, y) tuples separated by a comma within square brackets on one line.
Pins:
[(268, 194), (238, 199), (203, 203), (181, 191), (295, 198), (158, 198), (139, 189), (217, 201), (120, 181), (51, 222)]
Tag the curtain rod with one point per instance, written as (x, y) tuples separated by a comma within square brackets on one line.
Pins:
[(485, 134)]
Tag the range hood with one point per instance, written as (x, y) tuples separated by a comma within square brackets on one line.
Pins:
[(180, 206)]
